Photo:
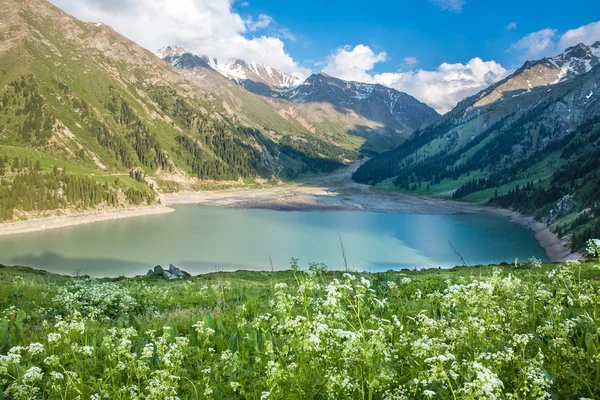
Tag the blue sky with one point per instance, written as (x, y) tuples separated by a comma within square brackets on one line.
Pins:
[(419, 28), (439, 51)]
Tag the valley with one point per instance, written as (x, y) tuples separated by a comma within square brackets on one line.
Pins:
[(151, 131), (223, 199), (323, 193)]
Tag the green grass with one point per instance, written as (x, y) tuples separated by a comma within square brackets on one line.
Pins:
[(467, 333)]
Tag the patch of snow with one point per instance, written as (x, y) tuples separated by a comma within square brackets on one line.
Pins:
[(522, 93)]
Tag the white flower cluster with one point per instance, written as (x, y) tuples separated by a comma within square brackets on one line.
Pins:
[(494, 335)]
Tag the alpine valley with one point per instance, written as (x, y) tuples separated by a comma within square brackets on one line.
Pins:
[(89, 120), (186, 222), (81, 100)]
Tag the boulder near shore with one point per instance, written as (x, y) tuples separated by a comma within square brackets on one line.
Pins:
[(172, 273)]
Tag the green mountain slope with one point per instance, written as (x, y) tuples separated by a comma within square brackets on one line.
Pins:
[(541, 135), (80, 101)]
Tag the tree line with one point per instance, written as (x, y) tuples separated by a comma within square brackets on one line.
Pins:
[(32, 190)]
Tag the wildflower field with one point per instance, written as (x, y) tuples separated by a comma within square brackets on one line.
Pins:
[(524, 331)]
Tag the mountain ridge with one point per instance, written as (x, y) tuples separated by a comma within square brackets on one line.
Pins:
[(329, 106), (81, 104), (238, 70), (513, 135)]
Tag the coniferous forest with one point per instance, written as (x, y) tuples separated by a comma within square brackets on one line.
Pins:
[(566, 194), (208, 149)]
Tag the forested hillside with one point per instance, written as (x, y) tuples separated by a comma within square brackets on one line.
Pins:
[(81, 98), (533, 149)]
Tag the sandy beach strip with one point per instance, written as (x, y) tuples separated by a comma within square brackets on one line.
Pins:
[(40, 224)]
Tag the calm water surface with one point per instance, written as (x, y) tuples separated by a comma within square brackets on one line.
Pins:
[(197, 238)]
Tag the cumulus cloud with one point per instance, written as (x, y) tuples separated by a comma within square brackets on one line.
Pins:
[(536, 45), (450, 5), (444, 87), (547, 42), (511, 27), (207, 27), (588, 34), (441, 88), (353, 63)]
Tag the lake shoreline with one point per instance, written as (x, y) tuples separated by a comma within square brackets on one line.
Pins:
[(305, 198), (78, 218), (360, 198)]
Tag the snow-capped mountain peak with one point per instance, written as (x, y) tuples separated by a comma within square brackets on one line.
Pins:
[(257, 72), (376, 102), (170, 51), (549, 71), (574, 61), (396, 111), (242, 72)]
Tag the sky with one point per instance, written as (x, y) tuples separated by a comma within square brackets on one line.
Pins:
[(439, 51)]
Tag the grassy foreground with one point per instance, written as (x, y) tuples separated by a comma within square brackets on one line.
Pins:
[(504, 332)]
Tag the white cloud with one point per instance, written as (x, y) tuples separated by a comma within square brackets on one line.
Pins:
[(442, 88), (353, 64), (536, 45), (207, 27), (286, 33), (588, 34), (546, 42), (450, 5), (410, 61), (261, 22), (511, 27)]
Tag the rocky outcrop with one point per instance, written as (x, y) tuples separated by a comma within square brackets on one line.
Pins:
[(172, 273)]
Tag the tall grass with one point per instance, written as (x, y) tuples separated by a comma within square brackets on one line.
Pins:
[(529, 332)]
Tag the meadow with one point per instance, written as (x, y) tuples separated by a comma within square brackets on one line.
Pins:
[(522, 331)]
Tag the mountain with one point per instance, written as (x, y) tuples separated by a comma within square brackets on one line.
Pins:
[(333, 109), (529, 142), (256, 77), (88, 119), (572, 62), (396, 110)]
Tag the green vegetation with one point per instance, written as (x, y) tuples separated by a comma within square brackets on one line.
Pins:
[(32, 190), (25, 187), (113, 137), (526, 331), (31, 121), (556, 180)]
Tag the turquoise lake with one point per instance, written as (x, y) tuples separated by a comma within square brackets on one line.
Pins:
[(200, 238)]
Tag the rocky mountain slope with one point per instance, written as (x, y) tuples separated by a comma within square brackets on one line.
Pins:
[(328, 107), (532, 129), (396, 110)]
